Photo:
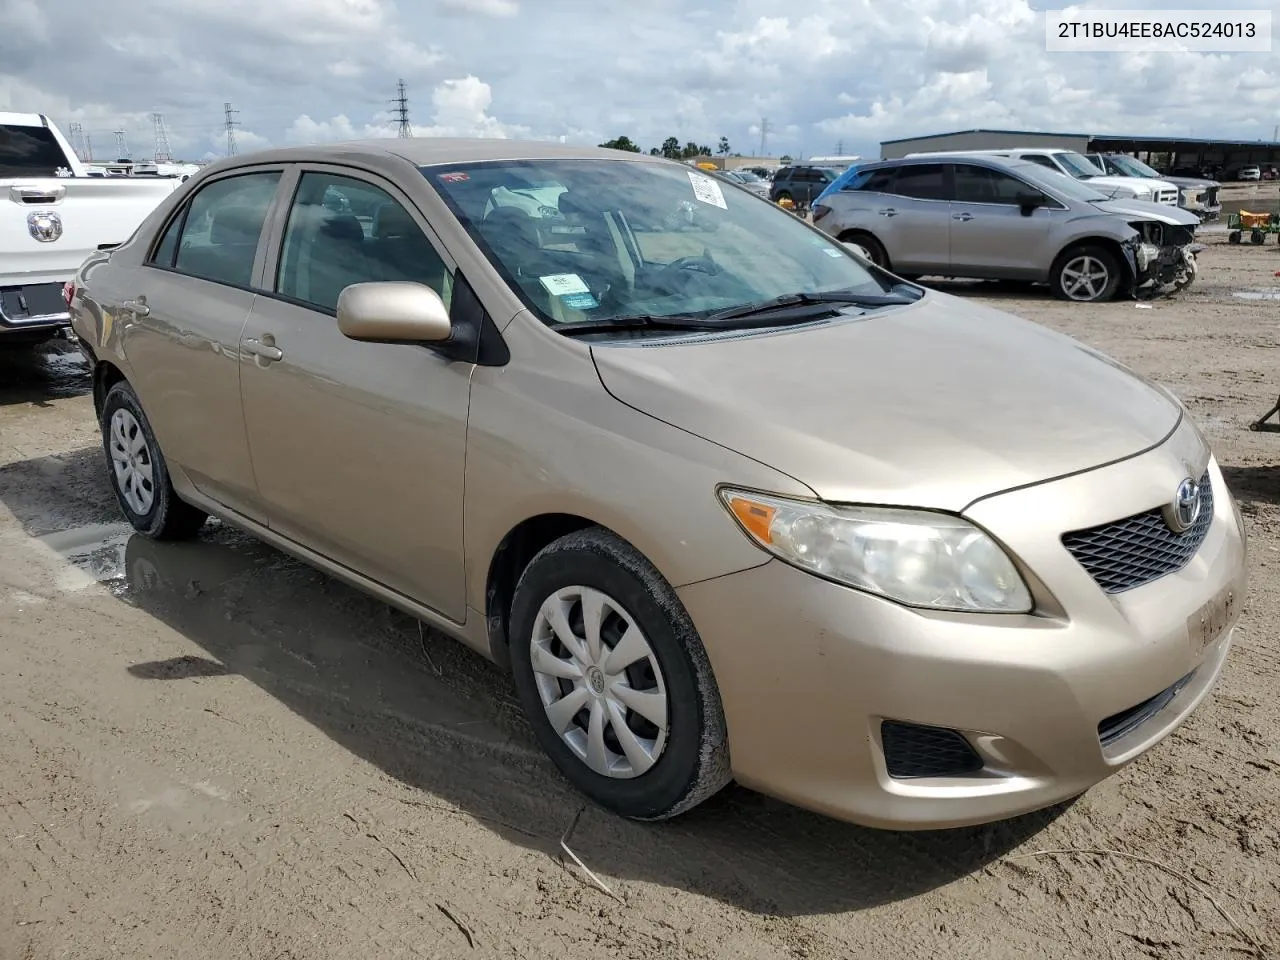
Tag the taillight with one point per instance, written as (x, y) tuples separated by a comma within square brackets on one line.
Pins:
[(820, 210), (68, 292)]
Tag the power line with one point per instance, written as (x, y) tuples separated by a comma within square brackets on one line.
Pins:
[(164, 153), (230, 123), (402, 110)]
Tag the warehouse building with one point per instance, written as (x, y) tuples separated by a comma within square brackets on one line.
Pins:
[(1172, 154)]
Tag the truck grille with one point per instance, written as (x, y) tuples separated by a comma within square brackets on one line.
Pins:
[(1167, 196), (1139, 549)]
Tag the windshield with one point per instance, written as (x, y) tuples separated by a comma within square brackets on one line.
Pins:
[(748, 176), (1077, 165), (596, 240), (1133, 167), (1059, 182)]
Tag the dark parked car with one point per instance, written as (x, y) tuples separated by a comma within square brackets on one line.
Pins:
[(801, 185)]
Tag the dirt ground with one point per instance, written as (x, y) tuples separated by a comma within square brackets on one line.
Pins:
[(209, 750)]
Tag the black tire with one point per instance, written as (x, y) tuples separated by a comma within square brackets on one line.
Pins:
[(1234, 236), (879, 256), (165, 517), (694, 762), (1069, 257)]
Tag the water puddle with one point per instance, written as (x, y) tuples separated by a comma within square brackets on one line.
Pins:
[(1257, 294), (91, 554)]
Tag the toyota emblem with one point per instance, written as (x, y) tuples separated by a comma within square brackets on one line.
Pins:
[(44, 225), (1182, 514)]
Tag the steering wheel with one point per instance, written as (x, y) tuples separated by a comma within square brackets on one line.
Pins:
[(699, 264)]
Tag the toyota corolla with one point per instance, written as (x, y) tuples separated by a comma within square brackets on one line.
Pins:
[(726, 499)]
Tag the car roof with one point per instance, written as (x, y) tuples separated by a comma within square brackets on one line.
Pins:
[(430, 151), (975, 157)]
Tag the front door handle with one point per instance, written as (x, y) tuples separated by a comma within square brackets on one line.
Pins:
[(264, 349), (962, 216), (888, 212), (137, 306)]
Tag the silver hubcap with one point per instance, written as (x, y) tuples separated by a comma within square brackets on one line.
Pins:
[(131, 461), (599, 682), (1084, 278)]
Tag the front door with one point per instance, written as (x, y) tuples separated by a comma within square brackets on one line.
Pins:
[(991, 236), (183, 312), (358, 448)]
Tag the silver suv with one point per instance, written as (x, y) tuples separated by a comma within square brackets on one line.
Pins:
[(988, 217)]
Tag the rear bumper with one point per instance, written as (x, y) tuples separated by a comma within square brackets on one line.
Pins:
[(32, 307)]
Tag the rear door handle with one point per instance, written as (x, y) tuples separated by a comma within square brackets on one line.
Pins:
[(267, 351), (888, 212), (962, 216)]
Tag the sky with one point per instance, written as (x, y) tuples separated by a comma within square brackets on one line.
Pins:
[(826, 74)]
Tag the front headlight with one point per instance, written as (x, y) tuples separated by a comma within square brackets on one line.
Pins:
[(916, 557)]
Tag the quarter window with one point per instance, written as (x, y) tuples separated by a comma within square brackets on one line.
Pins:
[(217, 237), (343, 231)]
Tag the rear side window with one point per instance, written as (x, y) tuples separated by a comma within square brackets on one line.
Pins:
[(29, 152), (217, 235), (922, 181)]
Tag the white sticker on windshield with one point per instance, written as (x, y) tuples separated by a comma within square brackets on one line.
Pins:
[(832, 252), (564, 284), (707, 190)]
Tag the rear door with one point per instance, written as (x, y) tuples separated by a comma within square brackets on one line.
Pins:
[(991, 236), (914, 222), (358, 448), (183, 311)]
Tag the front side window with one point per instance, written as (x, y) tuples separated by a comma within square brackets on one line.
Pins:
[(983, 185), (343, 231), (606, 239), (216, 238)]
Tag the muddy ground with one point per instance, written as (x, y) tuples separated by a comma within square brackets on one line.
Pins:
[(209, 750)]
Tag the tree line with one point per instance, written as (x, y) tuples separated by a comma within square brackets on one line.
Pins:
[(672, 150)]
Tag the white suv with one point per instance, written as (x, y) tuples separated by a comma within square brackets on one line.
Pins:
[(1078, 166)]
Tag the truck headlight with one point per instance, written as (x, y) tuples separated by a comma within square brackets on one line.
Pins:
[(916, 557)]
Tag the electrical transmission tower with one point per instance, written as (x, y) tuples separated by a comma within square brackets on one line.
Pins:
[(764, 135), (402, 112), (164, 154), (122, 147), (76, 136), (231, 124), (840, 148), (88, 148)]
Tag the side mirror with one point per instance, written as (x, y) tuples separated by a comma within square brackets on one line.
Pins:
[(1028, 201), (393, 311)]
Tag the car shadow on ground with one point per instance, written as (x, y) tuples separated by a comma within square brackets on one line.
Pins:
[(1256, 484), (42, 372), (445, 722)]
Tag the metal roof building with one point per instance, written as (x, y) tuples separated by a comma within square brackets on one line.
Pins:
[(1197, 152)]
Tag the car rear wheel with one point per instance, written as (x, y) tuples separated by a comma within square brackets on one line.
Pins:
[(614, 679), (1086, 274), (875, 249), (139, 475)]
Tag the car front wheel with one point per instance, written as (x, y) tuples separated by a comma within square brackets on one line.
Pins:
[(614, 679), (139, 474), (1085, 274)]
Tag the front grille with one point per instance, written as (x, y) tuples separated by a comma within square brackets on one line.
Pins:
[(1169, 196), (1121, 724), (1139, 549), (912, 751)]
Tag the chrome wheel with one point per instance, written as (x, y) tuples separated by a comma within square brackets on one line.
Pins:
[(1085, 277), (599, 682), (131, 462)]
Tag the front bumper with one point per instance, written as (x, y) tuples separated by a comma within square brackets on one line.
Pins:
[(809, 671)]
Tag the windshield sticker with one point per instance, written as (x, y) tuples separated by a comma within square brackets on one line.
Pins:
[(707, 190), (580, 301), (454, 177), (564, 284), (832, 252)]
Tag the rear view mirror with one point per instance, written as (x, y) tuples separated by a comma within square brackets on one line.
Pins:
[(393, 311)]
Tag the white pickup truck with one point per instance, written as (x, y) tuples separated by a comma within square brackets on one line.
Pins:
[(53, 214)]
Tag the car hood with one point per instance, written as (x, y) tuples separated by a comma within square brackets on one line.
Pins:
[(1192, 182), (1164, 212), (933, 405)]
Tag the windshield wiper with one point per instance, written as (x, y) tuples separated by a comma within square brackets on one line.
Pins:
[(788, 300), (638, 322)]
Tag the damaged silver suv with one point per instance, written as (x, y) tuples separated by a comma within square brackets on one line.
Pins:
[(987, 217)]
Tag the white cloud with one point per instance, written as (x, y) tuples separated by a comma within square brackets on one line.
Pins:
[(488, 8)]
